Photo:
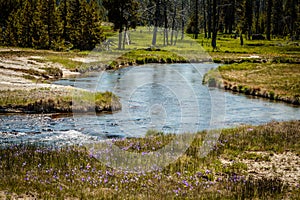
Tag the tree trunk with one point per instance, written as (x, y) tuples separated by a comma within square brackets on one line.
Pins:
[(269, 18), (232, 21), (154, 36), (156, 22), (257, 29), (120, 39), (209, 18), (124, 39), (249, 17), (242, 40), (166, 36), (215, 28), (182, 20), (196, 19), (205, 20), (173, 23), (176, 37)]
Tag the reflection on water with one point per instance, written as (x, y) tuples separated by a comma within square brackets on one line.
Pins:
[(163, 97)]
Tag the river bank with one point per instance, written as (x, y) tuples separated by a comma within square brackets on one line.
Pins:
[(252, 162), (25, 84), (267, 69), (273, 81)]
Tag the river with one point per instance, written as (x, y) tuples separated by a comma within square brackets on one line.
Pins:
[(170, 98)]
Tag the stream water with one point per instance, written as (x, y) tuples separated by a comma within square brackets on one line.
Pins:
[(170, 98)]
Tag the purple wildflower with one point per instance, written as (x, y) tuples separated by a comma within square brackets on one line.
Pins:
[(185, 183)]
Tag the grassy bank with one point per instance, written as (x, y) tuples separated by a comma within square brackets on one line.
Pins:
[(275, 81), (144, 56), (247, 162), (56, 100), (25, 80), (268, 69)]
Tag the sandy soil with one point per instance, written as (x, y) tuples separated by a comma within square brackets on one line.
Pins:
[(285, 166), (14, 69), (13, 196)]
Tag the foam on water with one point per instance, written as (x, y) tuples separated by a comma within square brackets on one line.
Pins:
[(59, 138)]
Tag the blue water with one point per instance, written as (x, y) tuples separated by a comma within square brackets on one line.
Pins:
[(169, 97)]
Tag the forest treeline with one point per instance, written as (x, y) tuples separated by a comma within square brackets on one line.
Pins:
[(51, 24), (76, 24), (269, 17)]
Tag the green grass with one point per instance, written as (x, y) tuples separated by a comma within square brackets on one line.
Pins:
[(279, 81), (144, 56), (64, 60), (226, 44), (72, 172), (141, 39), (47, 100), (230, 51)]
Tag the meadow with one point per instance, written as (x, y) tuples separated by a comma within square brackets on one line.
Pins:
[(73, 172)]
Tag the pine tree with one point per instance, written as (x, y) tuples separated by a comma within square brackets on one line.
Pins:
[(92, 34), (50, 20), (11, 31), (77, 19), (269, 18), (7, 7), (40, 32), (292, 16), (278, 18), (63, 18), (249, 17), (19, 26)]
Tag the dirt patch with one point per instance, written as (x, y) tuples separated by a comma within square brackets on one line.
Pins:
[(285, 166), (25, 86), (30, 68)]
